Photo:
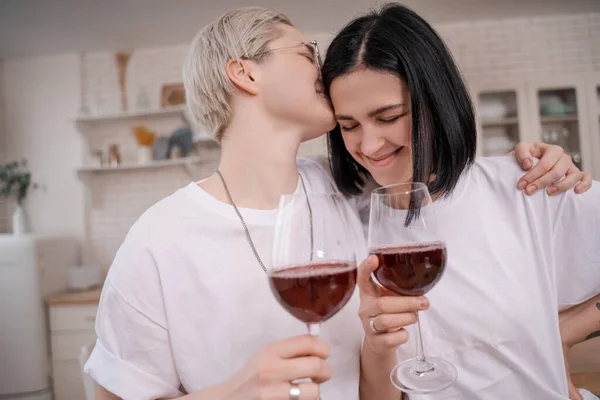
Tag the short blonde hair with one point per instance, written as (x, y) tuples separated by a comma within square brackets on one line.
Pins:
[(240, 34)]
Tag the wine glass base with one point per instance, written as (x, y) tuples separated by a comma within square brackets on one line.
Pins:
[(405, 378)]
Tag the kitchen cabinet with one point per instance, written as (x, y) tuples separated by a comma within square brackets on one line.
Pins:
[(561, 110)]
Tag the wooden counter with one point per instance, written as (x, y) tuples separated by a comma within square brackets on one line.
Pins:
[(91, 296)]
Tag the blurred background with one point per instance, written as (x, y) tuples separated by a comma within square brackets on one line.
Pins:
[(93, 131)]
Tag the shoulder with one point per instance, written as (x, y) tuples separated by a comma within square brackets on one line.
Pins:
[(156, 233), (492, 176), (165, 219), (498, 171)]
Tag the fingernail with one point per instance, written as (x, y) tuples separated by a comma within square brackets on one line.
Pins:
[(552, 190), (527, 164), (530, 189), (423, 303), (522, 185)]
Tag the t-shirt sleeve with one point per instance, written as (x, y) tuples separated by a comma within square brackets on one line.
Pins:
[(576, 244), (132, 357)]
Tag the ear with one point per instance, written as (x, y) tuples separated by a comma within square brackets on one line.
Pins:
[(240, 72)]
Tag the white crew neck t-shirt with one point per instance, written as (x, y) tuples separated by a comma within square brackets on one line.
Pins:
[(186, 304), (513, 262)]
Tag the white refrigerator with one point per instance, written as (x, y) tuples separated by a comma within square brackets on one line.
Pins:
[(30, 268)]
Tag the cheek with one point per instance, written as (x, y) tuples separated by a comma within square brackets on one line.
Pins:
[(350, 141), (402, 133)]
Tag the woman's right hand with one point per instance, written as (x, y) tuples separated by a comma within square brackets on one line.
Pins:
[(389, 312), (269, 373)]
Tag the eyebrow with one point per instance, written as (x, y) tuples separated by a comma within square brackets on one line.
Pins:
[(372, 113)]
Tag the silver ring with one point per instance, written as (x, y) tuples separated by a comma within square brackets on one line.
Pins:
[(372, 323), (295, 392)]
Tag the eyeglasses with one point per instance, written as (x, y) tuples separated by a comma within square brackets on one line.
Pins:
[(312, 47)]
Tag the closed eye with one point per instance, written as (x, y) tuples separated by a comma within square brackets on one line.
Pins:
[(348, 128), (391, 120)]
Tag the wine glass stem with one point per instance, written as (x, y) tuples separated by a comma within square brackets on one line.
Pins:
[(422, 365), (314, 329)]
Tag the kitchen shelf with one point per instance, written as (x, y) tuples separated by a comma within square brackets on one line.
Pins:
[(559, 118), (500, 122), (165, 112), (155, 164)]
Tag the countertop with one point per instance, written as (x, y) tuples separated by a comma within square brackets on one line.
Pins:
[(91, 296)]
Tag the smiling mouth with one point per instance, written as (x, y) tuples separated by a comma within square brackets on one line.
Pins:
[(384, 160)]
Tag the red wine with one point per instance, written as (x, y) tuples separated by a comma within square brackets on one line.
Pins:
[(411, 270), (314, 293)]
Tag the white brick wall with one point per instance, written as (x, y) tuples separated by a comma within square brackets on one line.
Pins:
[(510, 48), (526, 47)]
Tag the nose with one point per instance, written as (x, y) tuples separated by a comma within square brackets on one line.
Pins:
[(371, 143)]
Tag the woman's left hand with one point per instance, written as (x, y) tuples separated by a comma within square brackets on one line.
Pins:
[(384, 315), (555, 171)]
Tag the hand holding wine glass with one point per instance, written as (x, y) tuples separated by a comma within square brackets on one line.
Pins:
[(267, 375), (384, 315), (404, 235), (313, 274)]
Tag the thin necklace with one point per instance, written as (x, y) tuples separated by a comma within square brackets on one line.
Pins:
[(237, 211)]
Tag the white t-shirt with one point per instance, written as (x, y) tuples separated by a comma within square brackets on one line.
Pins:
[(186, 304), (513, 261)]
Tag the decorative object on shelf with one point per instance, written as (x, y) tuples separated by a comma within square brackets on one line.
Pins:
[(114, 156), (161, 148), (496, 107), (15, 182), (552, 104), (175, 152), (122, 61), (181, 143), (172, 95), (145, 139)]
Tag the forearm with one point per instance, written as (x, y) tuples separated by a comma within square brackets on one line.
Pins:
[(375, 371), (580, 323)]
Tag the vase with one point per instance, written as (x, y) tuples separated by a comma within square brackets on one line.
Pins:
[(20, 222), (144, 154)]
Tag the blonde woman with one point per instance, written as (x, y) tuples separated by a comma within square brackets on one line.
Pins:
[(186, 310)]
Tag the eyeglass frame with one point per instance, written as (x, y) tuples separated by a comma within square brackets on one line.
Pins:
[(312, 43)]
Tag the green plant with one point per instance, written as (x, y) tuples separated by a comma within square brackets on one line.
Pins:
[(15, 180)]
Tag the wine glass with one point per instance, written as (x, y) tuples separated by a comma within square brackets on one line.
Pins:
[(314, 269), (405, 237)]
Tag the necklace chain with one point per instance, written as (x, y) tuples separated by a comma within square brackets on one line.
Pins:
[(247, 231)]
